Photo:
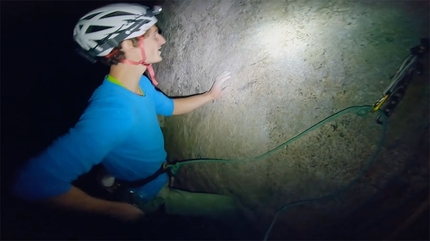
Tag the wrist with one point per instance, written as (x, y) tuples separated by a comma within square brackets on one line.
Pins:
[(208, 96)]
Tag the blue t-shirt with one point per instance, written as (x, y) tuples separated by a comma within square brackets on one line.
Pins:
[(118, 129)]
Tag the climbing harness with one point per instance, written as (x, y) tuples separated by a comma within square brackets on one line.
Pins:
[(143, 181), (121, 189)]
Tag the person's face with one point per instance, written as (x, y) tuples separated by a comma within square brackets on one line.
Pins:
[(152, 45), (152, 42)]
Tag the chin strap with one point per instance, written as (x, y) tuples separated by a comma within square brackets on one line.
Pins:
[(152, 74), (142, 62)]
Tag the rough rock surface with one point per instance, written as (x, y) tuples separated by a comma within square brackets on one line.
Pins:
[(293, 63)]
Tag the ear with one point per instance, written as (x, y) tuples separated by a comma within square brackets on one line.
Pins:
[(127, 44)]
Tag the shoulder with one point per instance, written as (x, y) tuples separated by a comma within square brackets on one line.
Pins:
[(150, 89), (108, 91), (146, 84), (108, 105), (109, 96)]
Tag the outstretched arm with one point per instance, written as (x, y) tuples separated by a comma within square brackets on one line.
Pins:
[(188, 104)]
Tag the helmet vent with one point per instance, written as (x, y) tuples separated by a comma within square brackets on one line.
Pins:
[(93, 28), (117, 13), (90, 16)]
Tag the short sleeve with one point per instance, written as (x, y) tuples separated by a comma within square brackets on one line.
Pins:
[(99, 130)]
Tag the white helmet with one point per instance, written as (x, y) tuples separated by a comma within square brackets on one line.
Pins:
[(102, 29)]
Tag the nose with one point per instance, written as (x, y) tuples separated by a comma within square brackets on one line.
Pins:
[(162, 40)]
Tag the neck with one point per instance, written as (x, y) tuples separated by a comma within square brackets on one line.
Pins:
[(128, 75)]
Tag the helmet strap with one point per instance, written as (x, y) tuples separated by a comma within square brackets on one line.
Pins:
[(142, 62)]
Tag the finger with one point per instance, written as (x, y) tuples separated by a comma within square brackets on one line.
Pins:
[(224, 74), (220, 82), (225, 77)]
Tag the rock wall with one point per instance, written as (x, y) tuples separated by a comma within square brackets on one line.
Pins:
[(293, 64)]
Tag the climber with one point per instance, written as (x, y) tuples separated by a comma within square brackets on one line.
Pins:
[(119, 128)]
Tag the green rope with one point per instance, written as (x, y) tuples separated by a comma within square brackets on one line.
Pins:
[(359, 111), (335, 193)]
